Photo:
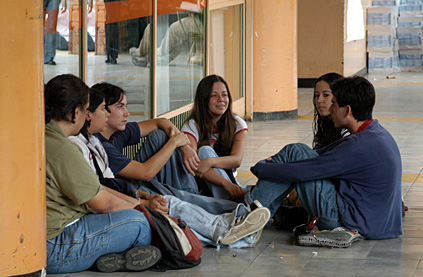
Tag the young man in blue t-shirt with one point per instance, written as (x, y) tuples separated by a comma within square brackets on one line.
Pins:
[(160, 156), (355, 182)]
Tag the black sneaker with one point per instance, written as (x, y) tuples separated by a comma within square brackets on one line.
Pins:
[(135, 259)]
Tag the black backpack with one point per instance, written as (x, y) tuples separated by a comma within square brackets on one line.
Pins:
[(179, 246)]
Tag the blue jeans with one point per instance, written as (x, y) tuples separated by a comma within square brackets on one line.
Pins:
[(174, 172), (93, 235), (205, 152), (52, 8), (317, 196), (209, 204), (209, 228)]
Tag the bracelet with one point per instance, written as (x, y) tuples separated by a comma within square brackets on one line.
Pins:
[(139, 200)]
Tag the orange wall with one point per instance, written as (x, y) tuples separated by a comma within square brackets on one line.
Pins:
[(275, 55), (321, 40), (22, 164), (320, 37)]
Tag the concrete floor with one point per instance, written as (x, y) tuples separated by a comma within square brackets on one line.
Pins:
[(399, 108)]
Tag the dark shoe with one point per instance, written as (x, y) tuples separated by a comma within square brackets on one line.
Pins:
[(135, 259), (50, 62), (107, 60), (287, 217), (113, 61)]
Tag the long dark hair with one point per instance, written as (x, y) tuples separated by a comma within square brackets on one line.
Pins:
[(202, 115), (324, 131), (62, 95), (96, 98)]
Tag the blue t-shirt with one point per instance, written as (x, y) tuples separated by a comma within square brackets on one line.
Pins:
[(119, 140), (368, 168)]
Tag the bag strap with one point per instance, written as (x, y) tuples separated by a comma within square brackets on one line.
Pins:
[(97, 168)]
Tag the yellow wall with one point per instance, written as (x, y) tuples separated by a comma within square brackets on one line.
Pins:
[(22, 163), (275, 56)]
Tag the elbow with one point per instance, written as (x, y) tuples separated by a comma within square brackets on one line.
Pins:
[(148, 176), (237, 163)]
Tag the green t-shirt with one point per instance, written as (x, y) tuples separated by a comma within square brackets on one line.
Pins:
[(70, 181)]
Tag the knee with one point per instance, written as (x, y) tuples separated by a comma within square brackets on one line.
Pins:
[(205, 152), (294, 152), (158, 137)]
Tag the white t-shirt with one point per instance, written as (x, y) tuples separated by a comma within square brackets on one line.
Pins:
[(95, 145), (191, 128)]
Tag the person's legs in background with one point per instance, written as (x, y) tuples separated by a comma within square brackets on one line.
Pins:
[(51, 8), (112, 34)]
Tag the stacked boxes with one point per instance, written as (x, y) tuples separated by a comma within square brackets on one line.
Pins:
[(395, 35), (382, 43), (410, 35)]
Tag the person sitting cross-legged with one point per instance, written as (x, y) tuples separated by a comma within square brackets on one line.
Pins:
[(354, 182)]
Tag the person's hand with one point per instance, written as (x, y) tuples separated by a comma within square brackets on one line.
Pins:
[(190, 158), (145, 195), (236, 192), (64, 6), (179, 139), (158, 204), (203, 167)]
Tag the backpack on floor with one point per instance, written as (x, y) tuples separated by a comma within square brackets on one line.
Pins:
[(179, 246)]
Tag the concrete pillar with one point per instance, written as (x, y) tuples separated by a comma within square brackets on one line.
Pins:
[(22, 162), (275, 59)]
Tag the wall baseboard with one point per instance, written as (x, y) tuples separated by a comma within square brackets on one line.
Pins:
[(275, 115)]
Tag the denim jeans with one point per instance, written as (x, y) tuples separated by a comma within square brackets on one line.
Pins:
[(174, 172), (317, 196), (209, 204), (52, 8), (93, 235), (205, 152), (208, 227)]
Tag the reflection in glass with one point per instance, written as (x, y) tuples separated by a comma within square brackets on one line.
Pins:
[(180, 53), (120, 26), (226, 47), (58, 16)]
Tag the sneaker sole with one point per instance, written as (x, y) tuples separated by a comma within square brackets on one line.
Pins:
[(135, 259), (254, 222)]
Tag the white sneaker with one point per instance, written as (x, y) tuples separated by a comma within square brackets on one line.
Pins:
[(246, 225)]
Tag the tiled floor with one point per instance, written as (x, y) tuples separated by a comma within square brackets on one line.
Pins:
[(399, 107)]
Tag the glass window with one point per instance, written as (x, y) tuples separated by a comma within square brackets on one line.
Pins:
[(121, 32), (226, 46), (61, 38), (180, 52)]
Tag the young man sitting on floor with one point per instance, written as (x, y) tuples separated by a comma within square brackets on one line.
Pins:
[(159, 157), (354, 182)]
